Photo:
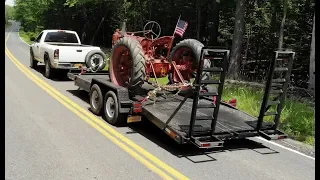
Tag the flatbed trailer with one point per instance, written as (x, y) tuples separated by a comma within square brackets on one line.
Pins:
[(176, 114)]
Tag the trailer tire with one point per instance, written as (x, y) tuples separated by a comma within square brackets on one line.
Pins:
[(92, 56), (96, 99), (111, 109), (33, 63)]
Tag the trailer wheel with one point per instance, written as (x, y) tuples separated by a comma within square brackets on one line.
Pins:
[(96, 99), (111, 109), (33, 63)]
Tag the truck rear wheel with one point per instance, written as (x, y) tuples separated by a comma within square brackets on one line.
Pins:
[(111, 109), (128, 64), (33, 62), (96, 99), (49, 71)]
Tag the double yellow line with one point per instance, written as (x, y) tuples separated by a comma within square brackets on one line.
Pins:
[(140, 154)]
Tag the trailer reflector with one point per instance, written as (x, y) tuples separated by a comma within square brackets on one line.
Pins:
[(132, 119), (172, 134), (282, 137)]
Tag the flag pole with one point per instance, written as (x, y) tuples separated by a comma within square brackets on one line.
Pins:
[(176, 25), (170, 45)]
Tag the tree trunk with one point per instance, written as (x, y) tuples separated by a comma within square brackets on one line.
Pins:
[(198, 19), (215, 25), (150, 9), (235, 56), (203, 28), (248, 43), (94, 35), (280, 45), (274, 17), (312, 59)]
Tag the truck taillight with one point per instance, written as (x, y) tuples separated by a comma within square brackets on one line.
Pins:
[(56, 54)]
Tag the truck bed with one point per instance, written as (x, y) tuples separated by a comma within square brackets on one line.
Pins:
[(230, 120)]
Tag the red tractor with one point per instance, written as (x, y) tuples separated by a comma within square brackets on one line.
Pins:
[(135, 59)]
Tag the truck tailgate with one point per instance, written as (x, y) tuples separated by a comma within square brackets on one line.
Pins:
[(73, 53)]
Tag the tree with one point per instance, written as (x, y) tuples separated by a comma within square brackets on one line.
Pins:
[(235, 56), (312, 59), (285, 6)]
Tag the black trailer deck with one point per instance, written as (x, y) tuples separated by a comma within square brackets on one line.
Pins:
[(191, 116), (231, 122)]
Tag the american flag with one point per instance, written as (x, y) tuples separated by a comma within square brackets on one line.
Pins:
[(181, 27)]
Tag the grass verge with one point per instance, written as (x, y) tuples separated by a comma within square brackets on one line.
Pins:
[(297, 118), (26, 36), (7, 25)]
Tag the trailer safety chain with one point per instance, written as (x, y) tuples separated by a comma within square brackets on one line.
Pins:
[(153, 93)]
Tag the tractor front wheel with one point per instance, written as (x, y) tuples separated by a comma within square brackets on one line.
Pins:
[(128, 64)]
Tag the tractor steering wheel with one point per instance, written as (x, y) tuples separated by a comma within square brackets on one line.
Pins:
[(153, 28)]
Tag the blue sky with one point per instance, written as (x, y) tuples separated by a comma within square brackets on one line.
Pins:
[(9, 2)]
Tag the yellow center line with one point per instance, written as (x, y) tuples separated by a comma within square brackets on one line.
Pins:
[(105, 129)]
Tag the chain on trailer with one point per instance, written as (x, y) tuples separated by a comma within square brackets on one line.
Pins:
[(170, 88)]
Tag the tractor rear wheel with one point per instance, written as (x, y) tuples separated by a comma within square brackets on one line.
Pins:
[(128, 64), (190, 48)]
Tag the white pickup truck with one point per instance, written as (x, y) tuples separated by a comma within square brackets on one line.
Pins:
[(62, 50)]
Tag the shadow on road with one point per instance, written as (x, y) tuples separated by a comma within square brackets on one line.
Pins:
[(60, 75), (81, 94), (188, 151)]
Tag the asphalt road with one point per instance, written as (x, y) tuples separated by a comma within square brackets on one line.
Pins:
[(45, 140)]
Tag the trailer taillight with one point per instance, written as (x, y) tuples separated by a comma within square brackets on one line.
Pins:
[(137, 107), (56, 54), (205, 145)]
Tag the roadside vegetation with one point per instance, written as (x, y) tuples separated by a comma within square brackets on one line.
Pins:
[(252, 30), (297, 118), (9, 11), (8, 24), (27, 35)]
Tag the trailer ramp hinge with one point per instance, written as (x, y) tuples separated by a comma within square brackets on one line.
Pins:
[(207, 142), (272, 134)]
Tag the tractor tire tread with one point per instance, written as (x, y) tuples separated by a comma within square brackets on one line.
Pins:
[(139, 62)]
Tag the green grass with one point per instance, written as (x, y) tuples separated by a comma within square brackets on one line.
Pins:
[(26, 36), (8, 25), (297, 118)]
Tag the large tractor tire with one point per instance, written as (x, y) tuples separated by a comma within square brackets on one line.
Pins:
[(192, 49), (128, 64)]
